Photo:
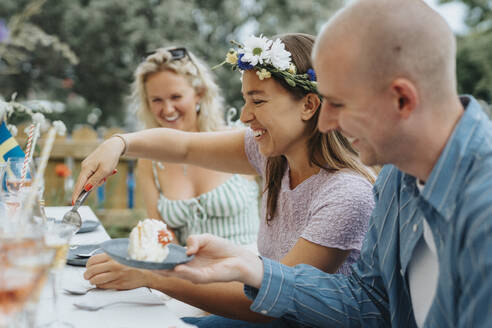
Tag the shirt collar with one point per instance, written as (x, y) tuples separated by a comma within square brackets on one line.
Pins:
[(443, 185)]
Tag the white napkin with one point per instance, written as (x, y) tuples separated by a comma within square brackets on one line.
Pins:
[(129, 314), (101, 297), (77, 283)]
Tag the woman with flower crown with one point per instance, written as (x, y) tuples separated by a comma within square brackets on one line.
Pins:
[(317, 196)]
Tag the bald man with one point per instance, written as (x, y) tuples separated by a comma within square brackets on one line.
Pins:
[(386, 72)]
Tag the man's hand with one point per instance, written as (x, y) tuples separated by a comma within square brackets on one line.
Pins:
[(218, 260)]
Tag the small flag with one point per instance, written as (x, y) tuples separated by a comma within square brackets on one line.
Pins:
[(8, 145)]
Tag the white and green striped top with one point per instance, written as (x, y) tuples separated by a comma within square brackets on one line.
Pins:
[(229, 211)]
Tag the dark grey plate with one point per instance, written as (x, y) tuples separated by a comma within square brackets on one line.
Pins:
[(118, 250), (88, 226), (73, 259)]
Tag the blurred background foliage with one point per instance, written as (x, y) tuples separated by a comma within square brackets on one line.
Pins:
[(108, 38), (474, 59), (82, 53)]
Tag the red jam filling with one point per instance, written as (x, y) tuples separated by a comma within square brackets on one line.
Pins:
[(164, 237)]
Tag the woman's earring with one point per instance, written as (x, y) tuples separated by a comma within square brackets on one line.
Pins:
[(197, 108)]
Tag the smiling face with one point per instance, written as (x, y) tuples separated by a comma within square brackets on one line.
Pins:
[(273, 115), (172, 100), (365, 116)]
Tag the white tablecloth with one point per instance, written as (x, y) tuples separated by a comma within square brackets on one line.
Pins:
[(122, 315)]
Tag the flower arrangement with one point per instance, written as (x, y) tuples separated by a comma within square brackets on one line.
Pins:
[(35, 111), (7, 109), (269, 57)]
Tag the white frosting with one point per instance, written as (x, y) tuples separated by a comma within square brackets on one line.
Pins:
[(144, 241)]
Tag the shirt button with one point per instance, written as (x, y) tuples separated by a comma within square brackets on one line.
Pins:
[(264, 311), (415, 227)]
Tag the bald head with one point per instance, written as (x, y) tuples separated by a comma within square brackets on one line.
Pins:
[(387, 39)]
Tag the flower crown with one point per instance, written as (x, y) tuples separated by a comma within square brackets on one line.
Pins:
[(269, 58)]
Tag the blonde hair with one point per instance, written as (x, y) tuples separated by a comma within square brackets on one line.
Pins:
[(210, 117)]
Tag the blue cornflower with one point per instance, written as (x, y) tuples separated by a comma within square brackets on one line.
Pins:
[(4, 31), (312, 74), (243, 65)]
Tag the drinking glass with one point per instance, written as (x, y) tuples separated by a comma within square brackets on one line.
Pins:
[(14, 215), (57, 237), (24, 263), (16, 176), (3, 167), (9, 206)]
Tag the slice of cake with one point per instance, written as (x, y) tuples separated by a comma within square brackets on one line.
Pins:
[(148, 241)]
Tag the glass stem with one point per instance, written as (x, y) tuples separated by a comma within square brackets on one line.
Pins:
[(55, 279)]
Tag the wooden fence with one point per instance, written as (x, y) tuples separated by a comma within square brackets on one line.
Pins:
[(118, 202)]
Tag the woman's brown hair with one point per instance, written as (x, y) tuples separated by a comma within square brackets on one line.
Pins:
[(330, 151)]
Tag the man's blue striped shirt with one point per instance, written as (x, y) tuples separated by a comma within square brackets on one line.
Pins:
[(456, 202)]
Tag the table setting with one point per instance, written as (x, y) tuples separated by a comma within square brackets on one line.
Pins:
[(66, 299), (83, 305), (43, 252)]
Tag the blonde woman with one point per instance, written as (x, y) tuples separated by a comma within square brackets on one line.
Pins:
[(173, 89), (317, 198)]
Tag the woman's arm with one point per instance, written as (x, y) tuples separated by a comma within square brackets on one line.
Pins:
[(228, 298), (324, 258), (221, 151)]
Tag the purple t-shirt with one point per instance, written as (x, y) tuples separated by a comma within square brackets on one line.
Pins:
[(328, 209)]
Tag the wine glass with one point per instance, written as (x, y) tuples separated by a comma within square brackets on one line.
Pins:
[(24, 263), (57, 237)]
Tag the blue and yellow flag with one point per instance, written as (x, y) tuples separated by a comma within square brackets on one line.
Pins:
[(8, 145)]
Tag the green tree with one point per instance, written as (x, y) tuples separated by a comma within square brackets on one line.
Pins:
[(474, 57), (28, 53), (110, 37)]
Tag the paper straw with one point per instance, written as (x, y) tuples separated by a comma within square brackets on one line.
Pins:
[(34, 140), (26, 156), (45, 156)]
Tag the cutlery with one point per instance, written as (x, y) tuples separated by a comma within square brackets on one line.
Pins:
[(82, 255), (89, 307), (72, 216), (81, 291)]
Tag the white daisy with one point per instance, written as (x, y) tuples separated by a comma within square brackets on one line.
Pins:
[(255, 50), (279, 57), (38, 118), (92, 118), (60, 127)]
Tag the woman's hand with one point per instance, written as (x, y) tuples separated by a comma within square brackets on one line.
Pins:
[(218, 260), (99, 165), (106, 273)]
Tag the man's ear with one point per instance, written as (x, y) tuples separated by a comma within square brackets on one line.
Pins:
[(406, 97), (311, 104)]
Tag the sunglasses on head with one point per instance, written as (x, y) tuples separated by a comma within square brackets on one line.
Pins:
[(176, 54)]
